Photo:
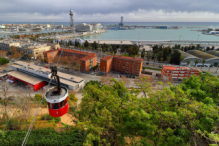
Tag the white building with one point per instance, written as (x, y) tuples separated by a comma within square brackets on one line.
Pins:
[(83, 27), (96, 27), (5, 45)]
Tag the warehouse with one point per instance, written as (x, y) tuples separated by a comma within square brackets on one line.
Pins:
[(69, 81), (26, 80)]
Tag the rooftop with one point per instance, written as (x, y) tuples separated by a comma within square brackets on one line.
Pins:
[(25, 77), (128, 58), (186, 55), (20, 64), (179, 68), (106, 58), (200, 54), (213, 52)]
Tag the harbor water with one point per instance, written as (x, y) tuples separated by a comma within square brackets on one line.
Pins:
[(186, 31)]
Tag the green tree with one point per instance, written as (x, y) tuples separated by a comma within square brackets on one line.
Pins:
[(196, 62), (188, 62), (203, 63), (143, 53), (94, 45), (3, 61), (210, 67), (102, 113)]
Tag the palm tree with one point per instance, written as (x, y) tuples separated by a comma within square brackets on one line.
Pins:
[(196, 62), (143, 68), (188, 62), (210, 67), (155, 57), (203, 62), (217, 68)]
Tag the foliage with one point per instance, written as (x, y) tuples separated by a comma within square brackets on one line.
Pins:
[(50, 118), (175, 57), (14, 124), (43, 137), (102, 112), (72, 97), (186, 114), (93, 83), (86, 44), (3, 61), (38, 97)]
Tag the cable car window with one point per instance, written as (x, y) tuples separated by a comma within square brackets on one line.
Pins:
[(62, 104), (50, 105), (56, 106), (66, 101)]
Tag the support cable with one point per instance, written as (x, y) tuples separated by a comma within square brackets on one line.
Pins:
[(35, 116)]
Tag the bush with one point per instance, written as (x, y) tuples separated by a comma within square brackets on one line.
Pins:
[(3, 61), (38, 97), (46, 117), (50, 118), (14, 124), (43, 137), (72, 97)]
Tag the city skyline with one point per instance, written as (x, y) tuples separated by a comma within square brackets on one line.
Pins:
[(109, 11)]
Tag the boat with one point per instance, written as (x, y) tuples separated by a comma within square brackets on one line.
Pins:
[(117, 28)]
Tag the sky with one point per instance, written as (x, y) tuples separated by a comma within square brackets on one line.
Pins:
[(109, 10)]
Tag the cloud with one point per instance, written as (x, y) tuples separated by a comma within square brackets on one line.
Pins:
[(105, 10)]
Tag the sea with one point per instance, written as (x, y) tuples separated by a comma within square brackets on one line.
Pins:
[(186, 31)]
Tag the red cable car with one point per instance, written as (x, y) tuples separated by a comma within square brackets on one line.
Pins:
[(57, 97)]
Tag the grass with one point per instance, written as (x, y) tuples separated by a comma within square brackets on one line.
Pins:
[(157, 69)]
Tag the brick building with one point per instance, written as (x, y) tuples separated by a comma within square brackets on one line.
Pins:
[(178, 73), (106, 64), (87, 60), (122, 64)]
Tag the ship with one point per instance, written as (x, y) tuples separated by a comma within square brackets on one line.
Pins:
[(117, 28)]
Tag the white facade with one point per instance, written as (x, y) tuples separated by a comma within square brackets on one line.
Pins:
[(5, 45), (96, 27), (83, 27)]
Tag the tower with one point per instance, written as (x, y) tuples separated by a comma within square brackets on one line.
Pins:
[(71, 13), (121, 23)]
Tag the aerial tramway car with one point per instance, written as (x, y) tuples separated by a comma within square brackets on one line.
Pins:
[(57, 97)]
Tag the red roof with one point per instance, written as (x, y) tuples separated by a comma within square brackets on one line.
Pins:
[(87, 58), (106, 58), (178, 68), (129, 58)]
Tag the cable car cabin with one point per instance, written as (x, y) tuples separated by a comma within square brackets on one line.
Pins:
[(57, 103)]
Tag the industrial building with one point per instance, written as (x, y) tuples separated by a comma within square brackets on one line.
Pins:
[(178, 73), (34, 75), (26, 80), (87, 60), (210, 57), (121, 64)]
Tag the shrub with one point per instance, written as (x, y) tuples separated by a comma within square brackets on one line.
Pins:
[(50, 118), (38, 97), (46, 117), (57, 119), (14, 124), (72, 97), (3, 61)]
